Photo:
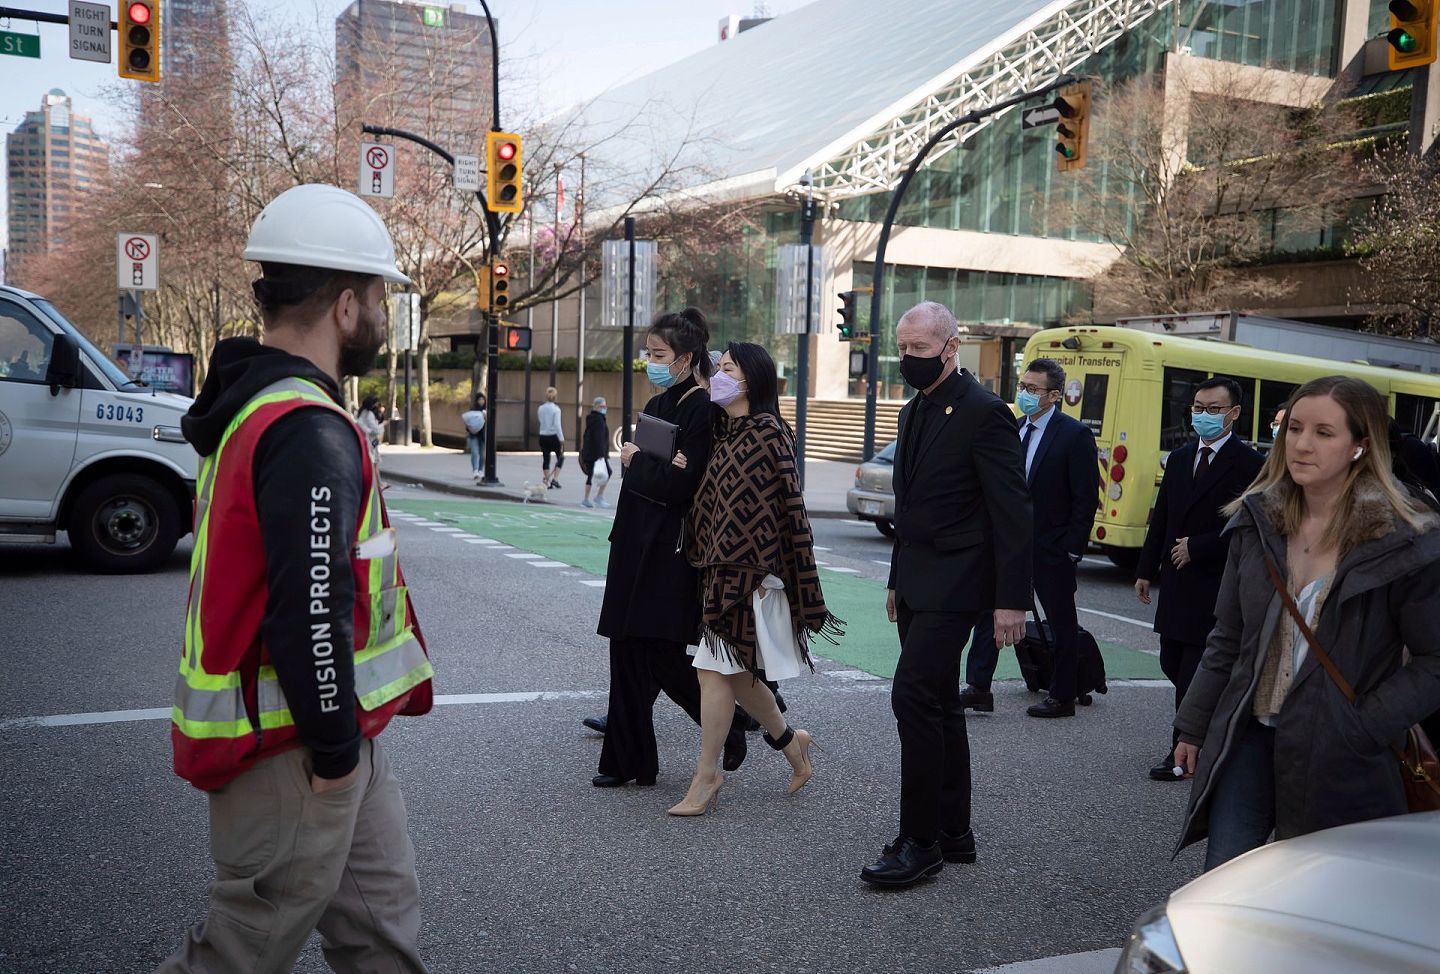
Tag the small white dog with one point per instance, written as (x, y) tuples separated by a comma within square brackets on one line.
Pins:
[(533, 492)]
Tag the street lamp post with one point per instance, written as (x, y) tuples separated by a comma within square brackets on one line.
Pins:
[(802, 352)]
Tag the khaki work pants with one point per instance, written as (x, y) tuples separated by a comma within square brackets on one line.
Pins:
[(288, 861)]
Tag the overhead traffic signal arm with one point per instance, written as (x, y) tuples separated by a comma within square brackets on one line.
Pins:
[(504, 172), (1412, 37), (1072, 130), (140, 39)]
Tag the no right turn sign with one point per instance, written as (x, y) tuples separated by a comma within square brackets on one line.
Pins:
[(377, 170), (137, 261)]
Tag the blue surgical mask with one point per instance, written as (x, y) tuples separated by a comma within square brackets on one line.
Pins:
[(602, 410), (1028, 402), (1274, 431), (660, 375), (1207, 426)]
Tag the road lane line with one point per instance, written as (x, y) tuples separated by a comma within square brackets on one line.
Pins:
[(1110, 615), (879, 562), (842, 571), (448, 530), (525, 555), (546, 564), (594, 582)]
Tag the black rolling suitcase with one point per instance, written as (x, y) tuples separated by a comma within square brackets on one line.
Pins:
[(1036, 657)]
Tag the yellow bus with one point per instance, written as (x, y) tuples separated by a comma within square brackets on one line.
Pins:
[(1133, 390)]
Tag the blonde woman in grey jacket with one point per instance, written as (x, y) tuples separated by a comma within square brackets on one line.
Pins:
[(1273, 743)]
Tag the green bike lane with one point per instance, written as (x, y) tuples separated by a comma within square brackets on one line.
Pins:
[(581, 541)]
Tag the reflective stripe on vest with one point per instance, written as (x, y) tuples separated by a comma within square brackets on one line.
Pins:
[(391, 662)]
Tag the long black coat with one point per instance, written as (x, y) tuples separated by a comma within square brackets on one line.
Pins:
[(651, 591), (1184, 509), (962, 514), (1333, 763)]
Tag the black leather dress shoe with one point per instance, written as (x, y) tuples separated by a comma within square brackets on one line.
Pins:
[(904, 862), (735, 750), (977, 700), (1051, 707), (597, 724), (615, 781), (958, 848), (1165, 770)]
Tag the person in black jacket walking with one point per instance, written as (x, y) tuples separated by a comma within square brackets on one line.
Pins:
[(651, 610), (595, 449), (1184, 549)]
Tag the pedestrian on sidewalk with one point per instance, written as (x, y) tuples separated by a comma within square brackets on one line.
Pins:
[(651, 610), (372, 423), (294, 557), (595, 454), (761, 596), (1327, 534), (474, 420), (962, 547), (552, 438)]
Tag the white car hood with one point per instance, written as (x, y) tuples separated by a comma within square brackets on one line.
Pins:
[(1359, 898)]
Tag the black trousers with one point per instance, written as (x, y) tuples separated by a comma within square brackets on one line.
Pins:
[(1179, 661), (639, 670), (1055, 591), (934, 747)]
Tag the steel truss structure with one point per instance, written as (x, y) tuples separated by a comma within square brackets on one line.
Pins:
[(1055, 42)]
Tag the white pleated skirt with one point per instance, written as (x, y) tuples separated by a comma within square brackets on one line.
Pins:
[(776, 650)]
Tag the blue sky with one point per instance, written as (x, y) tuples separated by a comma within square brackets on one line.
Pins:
[(560, 50)]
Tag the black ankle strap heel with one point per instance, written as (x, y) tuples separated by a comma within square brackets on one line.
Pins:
[(784, 740)]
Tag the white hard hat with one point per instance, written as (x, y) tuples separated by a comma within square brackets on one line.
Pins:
[(324, 226)]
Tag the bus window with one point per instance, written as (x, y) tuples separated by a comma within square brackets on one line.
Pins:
[(1092, 407), (1413, 412), (1273, 395), (1245, 425), (1175, 407)]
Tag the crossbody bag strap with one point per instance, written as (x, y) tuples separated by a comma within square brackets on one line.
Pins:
[(688, 393), (1309, 633)]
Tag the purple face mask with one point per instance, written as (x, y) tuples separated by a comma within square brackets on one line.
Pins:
[(724, 389)]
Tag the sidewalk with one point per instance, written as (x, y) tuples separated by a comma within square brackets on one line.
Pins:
[(448, 471)]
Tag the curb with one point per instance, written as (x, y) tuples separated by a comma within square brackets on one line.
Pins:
[(509, 494)]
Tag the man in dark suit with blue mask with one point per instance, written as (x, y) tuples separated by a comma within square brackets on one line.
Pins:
[(1184, 549), (1063, 474)]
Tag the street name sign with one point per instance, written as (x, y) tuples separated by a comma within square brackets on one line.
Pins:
[(377, 170), (90, 31), (1035, 118), (137, 261), (467, 173), (19, 45)]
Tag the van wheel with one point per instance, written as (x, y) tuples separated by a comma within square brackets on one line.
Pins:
[(1125, 558), (886, 528), (124, 524)]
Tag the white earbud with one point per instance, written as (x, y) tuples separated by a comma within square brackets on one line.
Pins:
[(1359, 452)]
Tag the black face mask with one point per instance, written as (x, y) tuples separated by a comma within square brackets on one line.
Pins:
[(922, 373), (357, 357)]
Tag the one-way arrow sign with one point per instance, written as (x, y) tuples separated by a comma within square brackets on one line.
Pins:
[(1037, 117)]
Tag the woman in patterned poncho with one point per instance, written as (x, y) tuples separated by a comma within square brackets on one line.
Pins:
[(749, 535)]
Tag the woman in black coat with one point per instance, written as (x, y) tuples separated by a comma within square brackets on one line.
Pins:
[(651, 610), (595, 448)]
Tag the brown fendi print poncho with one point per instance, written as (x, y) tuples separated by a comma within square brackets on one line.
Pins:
[(749, 521)]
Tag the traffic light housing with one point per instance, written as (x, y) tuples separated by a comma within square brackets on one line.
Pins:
[(1412, 33), (846, 328), (492, 287), (504, 169), (517, 338), (1072, 131), (140, 39)]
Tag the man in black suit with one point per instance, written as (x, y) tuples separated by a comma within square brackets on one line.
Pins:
[(962, 547), (1183, 548), (1063, 474)]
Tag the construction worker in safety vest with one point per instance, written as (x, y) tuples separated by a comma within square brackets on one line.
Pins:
[(300, 640)]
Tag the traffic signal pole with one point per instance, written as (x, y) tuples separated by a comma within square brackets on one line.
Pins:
[(878, 275), (802, 352)]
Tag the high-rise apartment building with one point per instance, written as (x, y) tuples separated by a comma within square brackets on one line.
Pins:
[(194, 36), (418, 66), (52, 158)]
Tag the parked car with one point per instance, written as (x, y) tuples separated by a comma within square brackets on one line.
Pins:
[(1359, 899), (873, 496)]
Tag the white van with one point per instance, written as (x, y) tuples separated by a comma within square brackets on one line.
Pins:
[(85, 450)]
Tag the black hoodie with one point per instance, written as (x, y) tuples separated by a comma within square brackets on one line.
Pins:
[(307, 467)]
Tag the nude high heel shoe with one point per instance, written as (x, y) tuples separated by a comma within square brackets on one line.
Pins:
[(698, 804), (795, 745)]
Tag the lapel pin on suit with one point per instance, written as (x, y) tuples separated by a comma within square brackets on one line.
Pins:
[(949, 410)]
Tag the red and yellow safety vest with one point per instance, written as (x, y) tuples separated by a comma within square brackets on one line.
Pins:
[(229, 709)]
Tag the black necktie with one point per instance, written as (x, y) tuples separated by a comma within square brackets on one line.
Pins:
[(1204, 463), (1025, 446)]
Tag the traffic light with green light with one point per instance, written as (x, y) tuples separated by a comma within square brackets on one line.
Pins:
[(846, 328), (1072, 130), (140, 39), (1412, 33)]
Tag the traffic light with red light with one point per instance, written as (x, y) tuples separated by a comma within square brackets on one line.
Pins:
[(140, 39), (504, 170), (1073, 128), (499, 286), (1412, 33)]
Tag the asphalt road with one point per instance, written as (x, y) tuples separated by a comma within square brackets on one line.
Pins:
[(525, 867)]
